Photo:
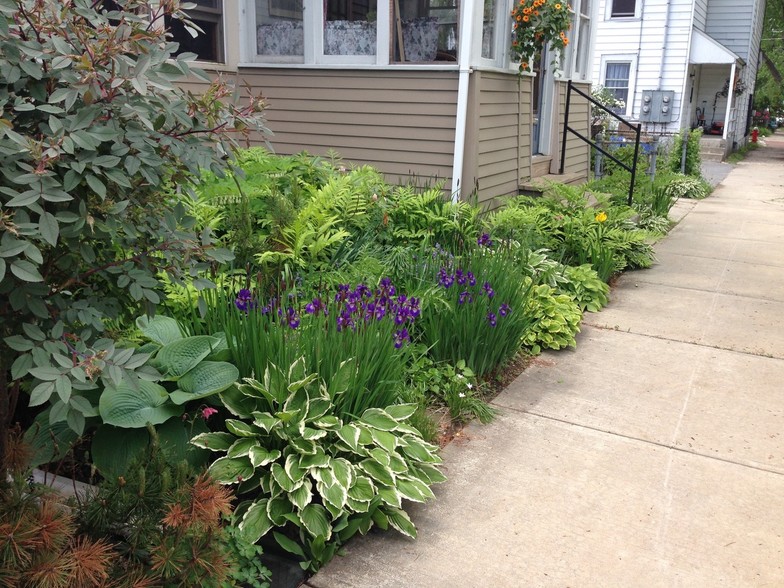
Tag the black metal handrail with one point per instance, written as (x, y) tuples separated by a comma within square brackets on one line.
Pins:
[(633, 169)]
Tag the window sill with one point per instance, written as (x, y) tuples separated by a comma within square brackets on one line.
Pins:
[(447, 66)]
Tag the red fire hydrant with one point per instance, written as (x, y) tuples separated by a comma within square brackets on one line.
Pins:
[(754, 135)]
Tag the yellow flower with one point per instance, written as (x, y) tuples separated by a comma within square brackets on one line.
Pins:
[(601, 217), (558, 7)]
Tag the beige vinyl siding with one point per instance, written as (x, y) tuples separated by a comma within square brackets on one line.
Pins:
[(502, 134), (403, 123), (577, 158)]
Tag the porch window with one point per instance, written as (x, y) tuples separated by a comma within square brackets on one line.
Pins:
[(616, 80), (208, 15), (353, 31), (577, 61), (623, 8)]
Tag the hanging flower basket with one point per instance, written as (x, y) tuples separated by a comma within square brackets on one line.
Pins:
[(537, 24)]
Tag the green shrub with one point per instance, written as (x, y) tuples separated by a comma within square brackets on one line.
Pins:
[(86, 146), (682, 186), (556, 320), (308, 472), (693, 160)]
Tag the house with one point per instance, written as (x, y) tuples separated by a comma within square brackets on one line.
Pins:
[(680, 64), (420, 89)]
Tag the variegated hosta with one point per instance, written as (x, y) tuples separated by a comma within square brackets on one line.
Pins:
[(329, 478)]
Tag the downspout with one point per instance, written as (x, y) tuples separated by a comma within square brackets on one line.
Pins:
[(464, 63), (730, 94), (664, 42)]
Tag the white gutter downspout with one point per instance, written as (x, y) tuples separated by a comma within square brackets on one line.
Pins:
[(730, 95), (465, 39)]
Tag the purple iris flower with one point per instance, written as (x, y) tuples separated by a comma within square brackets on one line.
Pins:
[(484, 240), (400, 337), (471, 279), (504, 309), (244, 300), (488, 290), (491, 319)]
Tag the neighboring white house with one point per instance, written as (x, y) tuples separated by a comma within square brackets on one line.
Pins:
[(681, 63)]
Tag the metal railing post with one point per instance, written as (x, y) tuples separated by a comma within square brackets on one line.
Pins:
[(634, 162)]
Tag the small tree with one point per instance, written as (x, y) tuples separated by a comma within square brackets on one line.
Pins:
[(92, 128)]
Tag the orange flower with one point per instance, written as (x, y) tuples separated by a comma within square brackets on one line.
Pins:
[(565, 41), (536, 13), (519, 17), (526, 11), (525, 18), (524, 65)]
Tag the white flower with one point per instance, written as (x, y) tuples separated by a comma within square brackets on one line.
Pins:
[(461, 395), (470, 386)]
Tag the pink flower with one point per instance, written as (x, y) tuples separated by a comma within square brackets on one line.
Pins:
[(208, 412)]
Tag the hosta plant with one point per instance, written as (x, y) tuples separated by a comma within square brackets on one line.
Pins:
[(585, 287), (309, 475), (556, 320)]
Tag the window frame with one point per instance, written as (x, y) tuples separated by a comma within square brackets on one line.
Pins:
[(610, 16), (217, 16), (579, 46), (631, 59)]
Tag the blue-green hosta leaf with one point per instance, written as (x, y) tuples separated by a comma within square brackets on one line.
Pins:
[(334, 494), (242, 447), (231, 470), (206, 379), (343, 471), (419, 450), (255, 522), (401, 412), (277, 509), (160, 329), (316, 521), (113, 449), (389, 495), (377, 471), (399, 520), (281, 477), (302, 495), (385, 439), (349, 434), (133, 407), (261, 456), (363, 489), (179, 357), (221, 351), (214, 441)]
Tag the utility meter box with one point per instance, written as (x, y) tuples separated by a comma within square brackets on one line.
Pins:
[(657, 106)]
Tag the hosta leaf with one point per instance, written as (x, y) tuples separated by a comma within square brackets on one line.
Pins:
[(242, 447), (328, 423), (350, 435), (397, 464), (428, 473), (255, 522), (161, 329), (318, 408), (323, 475), (318, 459), (277, 508), (385, 439), (264, 420), (389, 495), (315, 520), (206, 379), (303, 445), (335, 494), (261, 456), (133, 407), (420, 486), (113, 449), (231, 470), (313, 434), (242, 429), (400, 521), (377, 471), (378, 419), (343, 472), (281, 477), (357, 505), (419, 450), (179, 357), (293, 469), (362, 490), (302, 495), (401, 412), (214, 441), (380, 456), (409, 490)]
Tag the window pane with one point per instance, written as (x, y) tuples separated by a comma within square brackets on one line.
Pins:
[(623, 7), (616, 80), (488, 30), (279, 27), (207, 45), (350, 27), (427, 31)]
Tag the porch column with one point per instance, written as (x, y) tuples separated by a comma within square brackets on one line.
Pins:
[(465, 38), (730, 95)]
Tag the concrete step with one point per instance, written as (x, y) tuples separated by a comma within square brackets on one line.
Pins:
[(536, 186)]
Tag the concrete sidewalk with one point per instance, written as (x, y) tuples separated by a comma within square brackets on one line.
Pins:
[(653, 455)]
